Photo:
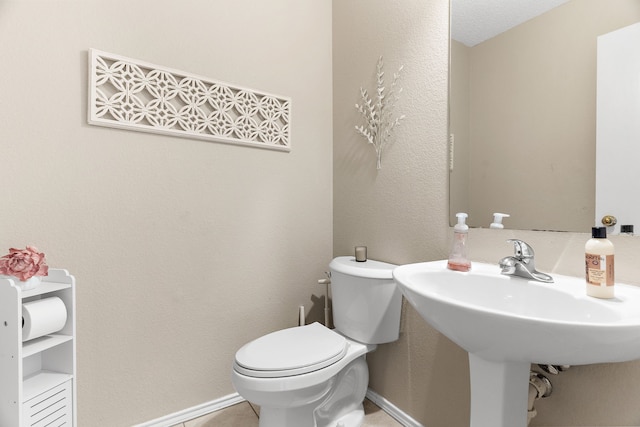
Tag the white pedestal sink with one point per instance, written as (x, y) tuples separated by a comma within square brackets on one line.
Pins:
[(506, 323)]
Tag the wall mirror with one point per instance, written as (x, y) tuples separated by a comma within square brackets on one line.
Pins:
[(523, 110)]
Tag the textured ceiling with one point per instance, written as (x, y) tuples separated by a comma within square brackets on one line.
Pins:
[(474, 21)]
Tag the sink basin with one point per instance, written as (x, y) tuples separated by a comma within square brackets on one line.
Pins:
[(507, 318), (506, 323)]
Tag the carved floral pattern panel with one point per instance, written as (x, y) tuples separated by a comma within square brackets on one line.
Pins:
[(130, 94)]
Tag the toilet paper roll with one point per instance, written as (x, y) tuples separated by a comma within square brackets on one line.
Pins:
[(42, 317)]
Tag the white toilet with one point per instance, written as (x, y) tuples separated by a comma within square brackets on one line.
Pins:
[(312, 376)]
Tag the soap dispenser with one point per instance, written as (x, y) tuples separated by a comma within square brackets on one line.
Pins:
[(458, 256), (497, 220)]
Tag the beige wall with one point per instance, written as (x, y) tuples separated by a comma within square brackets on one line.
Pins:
[(532, 96), (401, 212), (183, 250)]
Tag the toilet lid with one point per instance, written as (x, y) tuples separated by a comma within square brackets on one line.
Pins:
[(292, 351)]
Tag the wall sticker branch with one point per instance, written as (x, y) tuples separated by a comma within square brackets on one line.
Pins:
[(130, 94), (378, 112)]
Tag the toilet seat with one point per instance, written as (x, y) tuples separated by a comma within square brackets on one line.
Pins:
[(292, 351)]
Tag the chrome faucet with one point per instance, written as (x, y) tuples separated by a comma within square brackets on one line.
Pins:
[(522, 263)]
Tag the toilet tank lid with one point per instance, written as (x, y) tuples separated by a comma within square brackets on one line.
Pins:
[(369, 269)]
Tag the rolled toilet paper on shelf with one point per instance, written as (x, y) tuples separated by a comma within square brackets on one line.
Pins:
[(42, 317)]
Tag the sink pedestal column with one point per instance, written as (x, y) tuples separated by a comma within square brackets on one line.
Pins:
[(499, 393)]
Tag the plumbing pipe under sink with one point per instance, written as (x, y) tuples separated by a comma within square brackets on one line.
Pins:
[(540, 386), (533, 395)]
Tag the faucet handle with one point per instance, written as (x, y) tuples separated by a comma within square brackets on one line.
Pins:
[(521, 249)]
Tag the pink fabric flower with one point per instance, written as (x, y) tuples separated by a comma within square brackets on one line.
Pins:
[(24, 263)]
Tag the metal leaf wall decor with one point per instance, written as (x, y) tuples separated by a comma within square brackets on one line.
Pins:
[(130, 94), (377, 112)]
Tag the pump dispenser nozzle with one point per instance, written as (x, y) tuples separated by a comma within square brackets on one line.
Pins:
[(497, 220), (461, 225)]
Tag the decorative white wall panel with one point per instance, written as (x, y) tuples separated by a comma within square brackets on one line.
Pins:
[(130, 94)]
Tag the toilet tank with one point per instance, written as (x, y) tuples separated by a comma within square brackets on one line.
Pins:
[(366, 301)]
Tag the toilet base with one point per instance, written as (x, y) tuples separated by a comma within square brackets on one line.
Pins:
[(354, 418), (270, 417), (340, 407), (283, 417)]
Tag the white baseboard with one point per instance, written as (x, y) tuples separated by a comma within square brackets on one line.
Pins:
[(233, 399), (392, 410), (194, 412)]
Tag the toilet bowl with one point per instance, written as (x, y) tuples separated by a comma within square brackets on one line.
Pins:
[(312, 376), (288, 391)]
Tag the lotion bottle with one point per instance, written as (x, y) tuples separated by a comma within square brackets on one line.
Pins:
[(599, 265), (458, 256)]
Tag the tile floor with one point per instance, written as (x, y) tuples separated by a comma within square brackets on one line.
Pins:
[(244, 415)]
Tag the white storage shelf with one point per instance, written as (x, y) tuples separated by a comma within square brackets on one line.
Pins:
[(38, 384)]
